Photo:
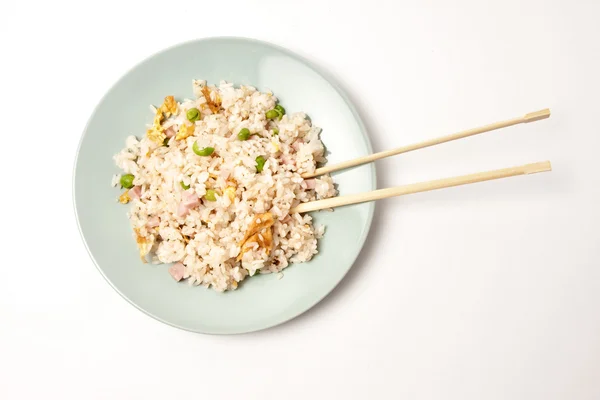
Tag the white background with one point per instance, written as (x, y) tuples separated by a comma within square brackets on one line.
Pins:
[(490, 291)]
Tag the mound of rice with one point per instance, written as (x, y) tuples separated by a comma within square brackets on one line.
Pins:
[(248, 228)]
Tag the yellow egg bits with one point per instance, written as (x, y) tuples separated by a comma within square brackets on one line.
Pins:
[(157, 132)]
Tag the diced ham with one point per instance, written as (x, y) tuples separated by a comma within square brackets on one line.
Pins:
[(170, 132), (182, 210), (135, 192), (176, 271), (310, 183), (153, 222), (189, 200)]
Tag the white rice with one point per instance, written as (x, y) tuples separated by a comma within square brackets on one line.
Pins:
[(115, 180), (207, 239)]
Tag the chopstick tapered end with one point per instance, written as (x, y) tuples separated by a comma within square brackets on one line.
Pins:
[(537, 115), (542, 166)]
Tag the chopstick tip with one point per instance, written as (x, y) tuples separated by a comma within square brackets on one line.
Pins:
[(543, 166), (537, 115)]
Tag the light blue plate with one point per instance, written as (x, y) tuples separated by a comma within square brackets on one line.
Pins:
[(260, 302)]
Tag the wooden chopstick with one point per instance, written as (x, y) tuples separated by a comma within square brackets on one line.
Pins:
[(531, 117), (422, 187)]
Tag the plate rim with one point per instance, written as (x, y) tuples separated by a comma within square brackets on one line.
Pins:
[(319, 71)]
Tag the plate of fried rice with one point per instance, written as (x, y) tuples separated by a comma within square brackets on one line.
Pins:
[(187, 176)]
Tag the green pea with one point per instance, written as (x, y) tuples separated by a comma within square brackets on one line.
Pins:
[(272, 114), (275, 131), (193, 114), (210, 195), (244, 134), (260, 163), (204, 152), (184, 186), (127, 181), (280, 109)]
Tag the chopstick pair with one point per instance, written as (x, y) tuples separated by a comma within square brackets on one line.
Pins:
[(543, 166)]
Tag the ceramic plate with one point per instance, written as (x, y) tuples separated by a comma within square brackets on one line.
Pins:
[(260, 302)]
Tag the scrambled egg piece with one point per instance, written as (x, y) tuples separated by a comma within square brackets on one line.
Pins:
[(260, 222), (156, 135), (145, 244), (230, 192), (158, 118), (260, 231), (157, 132), (185, 131), (213, 105), (169, 106), (264, 240), (275, 145), (124, 198)]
